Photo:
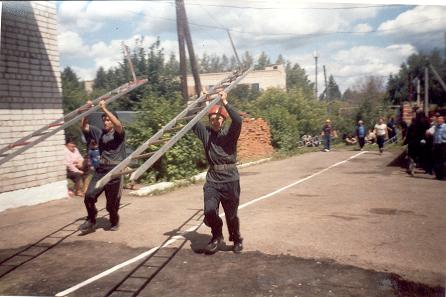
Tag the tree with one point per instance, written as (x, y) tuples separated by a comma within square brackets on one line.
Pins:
[(101, 81), (73, 97), (73, 93), (332, 92), (280, 60), (401, 87), (296, 78), (262, 62), (247, 59)]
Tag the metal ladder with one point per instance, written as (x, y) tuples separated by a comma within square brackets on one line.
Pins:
[(191, 114), (8, 152)]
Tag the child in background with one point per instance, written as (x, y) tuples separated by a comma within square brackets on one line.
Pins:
[(93, 154)]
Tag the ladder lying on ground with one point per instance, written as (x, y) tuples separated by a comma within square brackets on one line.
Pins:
[(191, 114), (8, 152)]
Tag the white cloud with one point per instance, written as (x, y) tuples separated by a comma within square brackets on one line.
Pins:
[(70, 43), (361, 61), (417, 20), (84, 73), (90, 16), (362, 28)]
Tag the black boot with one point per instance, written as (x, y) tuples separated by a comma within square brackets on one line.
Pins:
[(215, 244)]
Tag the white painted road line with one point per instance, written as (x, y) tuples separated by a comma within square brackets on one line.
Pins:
[(194, 228)]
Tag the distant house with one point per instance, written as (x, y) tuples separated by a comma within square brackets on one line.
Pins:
[(273, 76), (88, 86)]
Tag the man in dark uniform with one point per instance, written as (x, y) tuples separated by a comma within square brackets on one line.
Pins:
[(222, 179), (111, 142)]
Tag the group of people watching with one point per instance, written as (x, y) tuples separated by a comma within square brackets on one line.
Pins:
[(426, 144), (378, 134)]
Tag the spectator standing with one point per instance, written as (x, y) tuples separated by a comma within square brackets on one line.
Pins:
[(361, 133), (439, 146), (327, 133), (381, 134)]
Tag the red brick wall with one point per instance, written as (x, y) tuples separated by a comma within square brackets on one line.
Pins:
[(255, 140)]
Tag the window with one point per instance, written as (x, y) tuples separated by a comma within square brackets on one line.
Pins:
[(255, 87)]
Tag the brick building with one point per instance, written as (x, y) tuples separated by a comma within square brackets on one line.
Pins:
[(273, 76), (30, 97)]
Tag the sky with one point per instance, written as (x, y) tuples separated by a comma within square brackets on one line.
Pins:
[(353, 40)]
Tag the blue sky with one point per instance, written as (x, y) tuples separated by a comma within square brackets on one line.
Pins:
[(353, 40)]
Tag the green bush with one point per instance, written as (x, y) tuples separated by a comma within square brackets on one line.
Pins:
[(184, 159)]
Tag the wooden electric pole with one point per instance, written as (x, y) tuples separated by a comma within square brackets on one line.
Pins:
[(182, 51), (184, 33)]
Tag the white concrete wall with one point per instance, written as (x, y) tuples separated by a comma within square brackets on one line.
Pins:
[(30, 97), (268, 78)]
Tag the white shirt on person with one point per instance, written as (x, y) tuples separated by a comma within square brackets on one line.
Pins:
[(381, 129)]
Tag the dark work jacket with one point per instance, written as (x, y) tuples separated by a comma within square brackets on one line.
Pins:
[(111, 144), (221, 147)]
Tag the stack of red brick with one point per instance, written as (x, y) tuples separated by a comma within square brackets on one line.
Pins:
[(255, 140)]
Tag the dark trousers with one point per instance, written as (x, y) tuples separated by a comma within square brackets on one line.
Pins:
[(439, 156), (229, 196), (113, 191), (327, 141), (361, 142), (380, 141)]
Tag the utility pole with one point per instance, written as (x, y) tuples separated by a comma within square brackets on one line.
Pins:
[(235, 51), (182, 50), (325, 80), (190, 49), (426, 91), (315, 80)]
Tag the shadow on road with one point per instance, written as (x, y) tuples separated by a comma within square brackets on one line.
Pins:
[(43, 245)]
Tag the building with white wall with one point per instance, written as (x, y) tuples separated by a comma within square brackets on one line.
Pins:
[(30, 97), (273, 76)]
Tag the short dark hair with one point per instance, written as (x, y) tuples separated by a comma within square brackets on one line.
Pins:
[(70, 139)]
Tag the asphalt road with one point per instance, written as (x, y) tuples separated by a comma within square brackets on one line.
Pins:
[(341, 223)]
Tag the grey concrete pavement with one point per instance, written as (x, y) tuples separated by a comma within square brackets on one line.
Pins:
[(361, 216)]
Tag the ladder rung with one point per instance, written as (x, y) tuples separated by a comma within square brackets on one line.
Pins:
[(123, 173), (18, 144), (187, 118), (173, 129), (159, 141), (143, 156), (196, 109), (55, 125)]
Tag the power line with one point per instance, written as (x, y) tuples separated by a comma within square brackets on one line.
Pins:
[(297, 8), (220, 27)]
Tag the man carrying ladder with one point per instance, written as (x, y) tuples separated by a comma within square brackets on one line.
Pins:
[(111, 141), (222, 179)]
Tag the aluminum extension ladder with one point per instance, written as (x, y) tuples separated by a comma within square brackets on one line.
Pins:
[(191, 114), (8, 152)]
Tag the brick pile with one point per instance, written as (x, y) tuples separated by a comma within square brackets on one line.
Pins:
[(255, 140)]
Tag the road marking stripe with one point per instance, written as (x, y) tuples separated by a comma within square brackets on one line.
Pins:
[(194, 228)]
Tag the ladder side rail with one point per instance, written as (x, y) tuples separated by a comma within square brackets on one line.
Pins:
[(438, 77), (56, 122), (66, 124), (182, 132), (155, 137)]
